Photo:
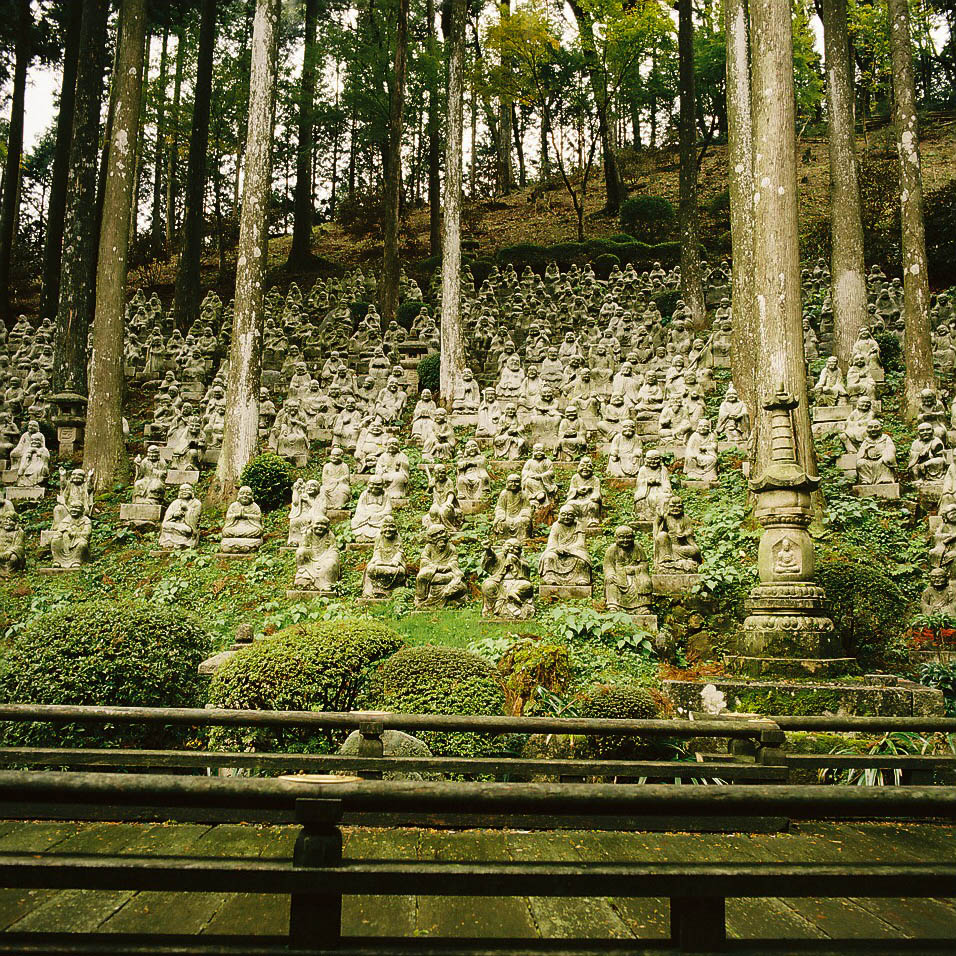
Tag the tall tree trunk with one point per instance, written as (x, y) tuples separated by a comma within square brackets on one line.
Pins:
[(190, 256), (333, 200), (691, 287), (156, 224), (393, 176), (917, 349), (473, 168), (172, 155), (519, 148), (138, 161), (505, 124), (434, 145), (23, 53), (452, 342), (56, 211), (300, 252), (740, 158), (80, 228), (544, 174), (105, 449), (847, 270), (241, 430), (779, 360)]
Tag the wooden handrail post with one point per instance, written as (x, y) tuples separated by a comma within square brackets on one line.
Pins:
[(315, 919), (698, 924), (371, 745), (770, 750)]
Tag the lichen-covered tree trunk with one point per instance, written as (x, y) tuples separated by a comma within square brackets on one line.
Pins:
[(105, 448), (393, 177), (692, 289), (156, 221), (172, 153), (917, 348), (241, 429), (56, 210), (452, 345), (77, 294), (847, 270), (188, 270), (300, 252), (778, 312), (740, 158)]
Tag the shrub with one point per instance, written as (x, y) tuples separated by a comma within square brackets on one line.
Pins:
[(480, 270), (524, 254), (429, 373), (357, 311), (619, 702), (604, 264), (647, 218), (620, 237), (530, 664), (315, 665), (444, 680), (108, 654), (719, 206), (270, 478), (891, 352), (407, 312), (667, 302), (868, 609), (941, 675), (360, 213), (940, 218)]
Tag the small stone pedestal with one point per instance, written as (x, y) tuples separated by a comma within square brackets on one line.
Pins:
[(294, 595), (360, 546), (24, 493), (471, 506), (243, 639), (557, 592), (888, 490), (54, 570), (674, 584), (645, 622), (140, 515), (699, 485), (182, 476), (335, 515)]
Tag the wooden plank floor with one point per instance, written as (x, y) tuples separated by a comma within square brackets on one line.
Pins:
[(516, 917)]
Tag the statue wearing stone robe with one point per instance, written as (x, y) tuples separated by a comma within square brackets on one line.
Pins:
[(317, 565), (627, 583), (565, 561)]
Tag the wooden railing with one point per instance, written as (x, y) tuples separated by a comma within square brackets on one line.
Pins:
[(318, 876)]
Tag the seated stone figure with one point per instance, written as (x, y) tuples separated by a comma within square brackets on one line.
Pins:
[(513, 510), (149, 487), (700, 456), (386, 569), (867, 348), (859, 381), (943, 552), (242, 528), (70, 543), (439, 445), (626, 453), (507, 592), (76, 488), (927, 460), (733, 419), (465, 401), (489, 415), (510, 444), (565, 561), (335, 491), (423, 417), (572, 435), (627, 583), (830, 388), (854, 430), (675, 545), (939, 596), (180, 525), (373, 506), (33, 467), (305, 503), (876, 457), (584, 495), (13, 555), (371, 443), (439, 580), (653, 487), (537, 477), (317, 565), (473, 478), (393, 468), (445, 510)]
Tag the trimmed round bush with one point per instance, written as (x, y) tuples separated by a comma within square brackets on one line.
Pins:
[(619, 702), (667, 302), (429, 373), (891, 351), (430, 679), (480, 270), (407, 312), (270, 478), (315, 665), (603, 265), (647, 218), (106, 654)]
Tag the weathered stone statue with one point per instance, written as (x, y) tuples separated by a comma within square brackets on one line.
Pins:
[(584, 495), (859, 381), (386, 569), (242, 528), (373, 506), (830, 388), (537, 477), (473, 478), (33, 467), (939, 596), (336, 488), (507, 591), (927, 461), (439, 580), (445, 510), (13, 554), (465, 400), (733, 419), (675, 545), (149, 486), (76, 488), (854, 430), (700, 456), (565, 561), (943, 552), (513, 510), (876, 457), (393, 468), (180, 527), (627, 583), (572, 435), (653, 487), (317, 566), (626, 453), (305, 498)]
